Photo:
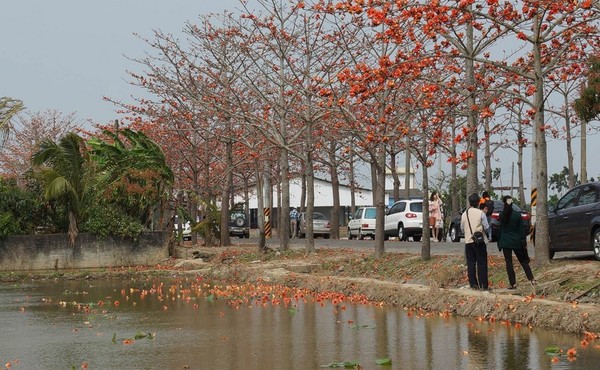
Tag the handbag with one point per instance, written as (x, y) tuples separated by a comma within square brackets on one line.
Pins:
[(477, 237)]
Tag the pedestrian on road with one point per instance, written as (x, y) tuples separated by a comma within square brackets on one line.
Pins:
[(294, 215), (473, 220), (513, 238)]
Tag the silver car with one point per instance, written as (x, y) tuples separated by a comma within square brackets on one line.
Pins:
[(321, 225)]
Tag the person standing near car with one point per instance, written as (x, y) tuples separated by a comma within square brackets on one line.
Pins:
[(435, 215), (513, 238), (472, 221), (294, 216)]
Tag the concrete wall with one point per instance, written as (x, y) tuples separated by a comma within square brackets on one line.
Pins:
[(52, 251)]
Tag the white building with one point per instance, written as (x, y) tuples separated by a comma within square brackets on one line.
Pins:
[(324, 196)]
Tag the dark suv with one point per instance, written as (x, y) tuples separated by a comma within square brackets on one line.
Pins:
[(574, 224), (238, 224)]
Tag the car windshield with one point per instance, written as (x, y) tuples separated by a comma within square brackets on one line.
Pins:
[(370, 213), (416, 207), (236, 214), (319, 216)]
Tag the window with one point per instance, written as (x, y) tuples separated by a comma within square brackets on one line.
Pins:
[(569, 200), (588, 195), (416, 207), (370, 212), (398, 207)]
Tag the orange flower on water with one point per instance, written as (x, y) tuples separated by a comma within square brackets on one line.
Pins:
[(571, 352), (554, 359)]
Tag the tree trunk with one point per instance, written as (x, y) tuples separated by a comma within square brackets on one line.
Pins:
[(395, 177), (261, 206), (73, 230), (335, 188), (571, 173), (453, 179), (472, 179), (583, 152), (379, 197), (520, 147), (226, 193), (487, 155), (426, 239), (542, 238)]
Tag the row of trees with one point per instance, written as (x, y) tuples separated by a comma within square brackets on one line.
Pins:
[(293, 89), (299, 87)]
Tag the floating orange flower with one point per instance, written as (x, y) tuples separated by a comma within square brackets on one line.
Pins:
[(571, 352)]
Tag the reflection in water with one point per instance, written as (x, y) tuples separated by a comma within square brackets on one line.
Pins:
[(44, 328)]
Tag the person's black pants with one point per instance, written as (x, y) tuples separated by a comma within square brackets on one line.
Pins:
[(523, 258), (477, 268)]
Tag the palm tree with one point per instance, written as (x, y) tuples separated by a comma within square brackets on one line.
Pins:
[(65, 174), (8, 108), (138, 168)]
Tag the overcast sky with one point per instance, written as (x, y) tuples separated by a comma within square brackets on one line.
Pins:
[(68, 54)]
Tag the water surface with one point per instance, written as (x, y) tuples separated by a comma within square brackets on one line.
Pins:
[(93, 324)]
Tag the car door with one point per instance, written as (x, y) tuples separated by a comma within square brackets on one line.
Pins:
[(392, 217), (583, 213), (354, 223), (562, 222)]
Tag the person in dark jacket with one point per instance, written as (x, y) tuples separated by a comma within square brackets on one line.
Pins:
[(512, 238)]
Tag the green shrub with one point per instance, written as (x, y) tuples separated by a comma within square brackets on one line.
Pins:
[(104, 220)]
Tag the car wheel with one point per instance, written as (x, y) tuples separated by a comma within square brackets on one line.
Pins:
[(417, 238), (360, 235), (401, 233), (454, 234), (551, 254), (349, 234), (596, 242)]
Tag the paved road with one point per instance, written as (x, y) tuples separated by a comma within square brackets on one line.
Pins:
[(437, 248)]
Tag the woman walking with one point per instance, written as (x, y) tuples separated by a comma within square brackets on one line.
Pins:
[(513, 239)]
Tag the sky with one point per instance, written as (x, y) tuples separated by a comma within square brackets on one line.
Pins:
[(66, 55)]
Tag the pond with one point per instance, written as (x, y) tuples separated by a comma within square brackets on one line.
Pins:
[(192, 324)]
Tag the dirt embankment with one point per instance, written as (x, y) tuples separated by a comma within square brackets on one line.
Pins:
[(566, 298)]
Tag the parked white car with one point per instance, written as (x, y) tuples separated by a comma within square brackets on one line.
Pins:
[(405, 219), (362, 223)]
